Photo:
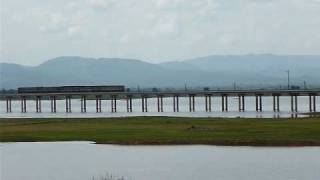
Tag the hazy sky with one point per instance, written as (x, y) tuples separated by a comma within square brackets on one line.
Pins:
[(33, 31)]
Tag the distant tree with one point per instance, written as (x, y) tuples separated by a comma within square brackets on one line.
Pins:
[(10, 91), (206, 89), (108, 177), (295, 87)]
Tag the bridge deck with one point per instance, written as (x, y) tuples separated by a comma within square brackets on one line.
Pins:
[(174, 93)]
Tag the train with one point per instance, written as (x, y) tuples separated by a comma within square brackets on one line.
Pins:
[(71, 89)]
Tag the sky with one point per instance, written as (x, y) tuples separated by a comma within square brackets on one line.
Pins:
[(33, 31)]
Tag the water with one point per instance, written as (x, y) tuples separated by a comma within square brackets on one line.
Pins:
[(82, 161), (285, 105)]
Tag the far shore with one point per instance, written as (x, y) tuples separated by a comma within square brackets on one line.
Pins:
[(166, 131)]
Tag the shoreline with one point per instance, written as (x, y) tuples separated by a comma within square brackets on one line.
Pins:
[(285, 115), (162, 131), (224, 144), (172, 144)]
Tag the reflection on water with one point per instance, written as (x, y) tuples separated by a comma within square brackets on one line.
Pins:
[(285, 107), (82, 161)]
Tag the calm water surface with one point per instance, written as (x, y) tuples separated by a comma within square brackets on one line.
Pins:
[(285, 108), (82, 161)]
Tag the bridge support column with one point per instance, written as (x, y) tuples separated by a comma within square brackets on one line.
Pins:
[(98, 104), (241, 103), (53, 104), (83, 104), (68, 104), (258, 103), (23, 105), (224, 103), (9, 104), (192, 103), (312, 103), (294, 103), (208, 102), (38, 104), (176, 103), (160, 103), (114, 104), (144, 103), (276, 103), (129, 103)]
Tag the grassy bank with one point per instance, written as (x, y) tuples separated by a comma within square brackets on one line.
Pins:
[(166, 130)]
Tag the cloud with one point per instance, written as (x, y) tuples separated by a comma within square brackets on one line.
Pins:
[(101, 4), (185, 5), (53, 23), (67, 21), (57, 24), (163, 4), (159, 29)]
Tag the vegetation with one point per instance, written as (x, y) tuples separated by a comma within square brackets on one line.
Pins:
[(166, 130), (313, 114), (108, 177)]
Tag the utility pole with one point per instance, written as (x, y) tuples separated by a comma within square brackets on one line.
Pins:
[(305, 84), (288, 72)]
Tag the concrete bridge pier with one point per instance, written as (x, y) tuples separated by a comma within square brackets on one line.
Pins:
[(176, 103), (114, 104), (98, 104), (129, 103), (259, 103), (224, 103), (294, 103), (241, 103), (23, 105), (68, 104), (38, 104), (312, 103), (276, 103), (160, 103), (144, 103), (53, 102), (192, 103), (83, 104), (208, 102), (9, 104)]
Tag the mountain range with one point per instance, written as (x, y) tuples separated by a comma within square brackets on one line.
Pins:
[(262, 70)]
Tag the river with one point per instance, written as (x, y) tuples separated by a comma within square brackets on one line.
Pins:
[(84, 160)]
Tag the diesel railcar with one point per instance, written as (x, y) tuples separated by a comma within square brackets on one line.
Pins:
[(71, 89)]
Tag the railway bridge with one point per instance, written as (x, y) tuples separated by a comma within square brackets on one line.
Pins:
[(159, 95)]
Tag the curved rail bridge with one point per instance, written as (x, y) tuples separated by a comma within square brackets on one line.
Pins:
[(144, 95)]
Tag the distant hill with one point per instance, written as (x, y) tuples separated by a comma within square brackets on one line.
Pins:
[(214, 71)]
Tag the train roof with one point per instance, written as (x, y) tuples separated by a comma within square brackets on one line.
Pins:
[(72, 86)]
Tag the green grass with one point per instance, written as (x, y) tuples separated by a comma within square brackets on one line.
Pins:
[(166, 130)]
